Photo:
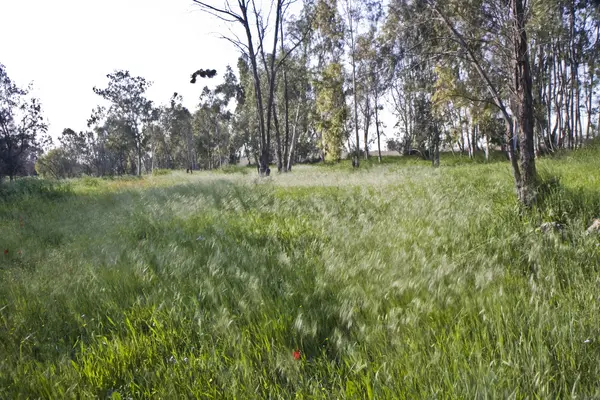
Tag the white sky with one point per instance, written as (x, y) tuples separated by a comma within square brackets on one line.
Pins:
[(66, 47)]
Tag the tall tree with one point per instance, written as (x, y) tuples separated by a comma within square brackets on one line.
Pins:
[(332, 111), (172, 139), (249, 15), (330, 103), (129, 108), (491, 37), (514, 18), (21, 126), (353, 15)]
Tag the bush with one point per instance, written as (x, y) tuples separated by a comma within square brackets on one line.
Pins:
[(56, 164), (33, 187), (234, 169), (158, 172), (90, 181)]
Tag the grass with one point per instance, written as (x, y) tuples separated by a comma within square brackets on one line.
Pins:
[(394, 281)]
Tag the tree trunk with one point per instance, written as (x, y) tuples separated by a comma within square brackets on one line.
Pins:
[(367, 123), (264, 145), (293, 143), (353, 59), (139, 159), (474, 139), (272, 73), (377, 127), (366, 136), (286, 106), (462, 132), (278, 141), (487, 148), (525, 112), (435, 152)]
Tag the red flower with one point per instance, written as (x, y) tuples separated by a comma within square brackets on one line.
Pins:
[(297, 355), (6, 252)]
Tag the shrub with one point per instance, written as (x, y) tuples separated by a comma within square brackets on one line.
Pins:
[(234, 169), (56, 164), (33, 187), (90, 181), (159, 171)]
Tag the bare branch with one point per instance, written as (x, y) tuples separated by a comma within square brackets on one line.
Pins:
[(218, 12), (240, 46)]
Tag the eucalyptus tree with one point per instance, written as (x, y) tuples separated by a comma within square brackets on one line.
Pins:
[(56, 164), (509, 19), (364, 51), (375, 68), (565, 53), (171, 137), (79, 147), (296, 37), (331, 112), (491, 37), (412, 43), (22, 126), (216, 129), (353, 16), (227, 91), (245, 123), (208, 128), (256, 25), (129, 110)]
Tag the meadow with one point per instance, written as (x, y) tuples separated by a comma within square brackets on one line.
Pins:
[(393, 281)]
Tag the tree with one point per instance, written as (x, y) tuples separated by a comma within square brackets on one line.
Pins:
[(353, 17), (212, 124), (229, 90), (21, 126), (129, 111), (490, 37), (514, 28), (332, 111), (256, 27), (172, 141), (242, 14), (57, 164), (373, 70)]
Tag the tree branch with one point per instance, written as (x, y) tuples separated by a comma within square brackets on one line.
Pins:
[(218, 12)]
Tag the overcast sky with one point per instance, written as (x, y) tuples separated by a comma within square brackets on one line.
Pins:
[(66, 47)]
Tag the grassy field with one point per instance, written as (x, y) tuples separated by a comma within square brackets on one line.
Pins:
[(396, 281)]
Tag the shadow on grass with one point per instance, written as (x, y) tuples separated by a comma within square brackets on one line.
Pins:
[(560, 203)]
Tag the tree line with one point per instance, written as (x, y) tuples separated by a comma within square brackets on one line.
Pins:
[(314, 78)]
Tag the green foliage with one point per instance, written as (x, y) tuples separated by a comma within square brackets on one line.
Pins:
[(171, 138), (394, 281), (235, 169), (332, 110), (90, 181), (158, 172), (129, 112), (32, 188), (55, 164), (22, 127)]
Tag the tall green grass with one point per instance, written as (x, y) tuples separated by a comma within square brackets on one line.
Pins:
[(394, 281)]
